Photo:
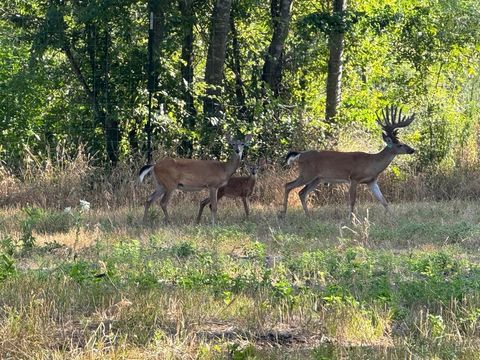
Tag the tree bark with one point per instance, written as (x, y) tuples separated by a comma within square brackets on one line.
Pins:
[(236, 68), (112, 131), (281, 11), (188, 21), (214, 69), (157, 7), (335, 61)]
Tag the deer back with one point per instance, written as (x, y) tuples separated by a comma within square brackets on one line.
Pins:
[(191, 174), (241, 186), (335, 166)]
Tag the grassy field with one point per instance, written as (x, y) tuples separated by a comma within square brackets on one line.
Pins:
[(97, 284)]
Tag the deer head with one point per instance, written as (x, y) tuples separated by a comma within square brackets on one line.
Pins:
[(256, 167), (391, 121), (238, 145)]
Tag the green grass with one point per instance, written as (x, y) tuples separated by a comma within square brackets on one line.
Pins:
[(98, 284)]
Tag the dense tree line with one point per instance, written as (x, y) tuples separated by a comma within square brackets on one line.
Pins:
[(295, 73)]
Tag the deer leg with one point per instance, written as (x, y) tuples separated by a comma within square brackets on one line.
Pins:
[(246, 206), (304, 192), (204, 203), (353, 195), (375, 189), (164, 202), (289, 187), (213, 204), (159, 191)]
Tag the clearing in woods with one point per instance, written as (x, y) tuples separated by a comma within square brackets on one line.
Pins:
[(96, 283)]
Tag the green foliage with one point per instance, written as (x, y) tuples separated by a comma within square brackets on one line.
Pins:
[(7, 267), (237, 352), (28, 224), (271, 284), (83, 272), (8, 245), (416, 53)]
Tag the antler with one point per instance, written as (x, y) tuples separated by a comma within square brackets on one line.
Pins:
[(393, 120)]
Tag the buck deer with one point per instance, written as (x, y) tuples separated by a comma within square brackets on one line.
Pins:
[(192, 175), (241, 186), (350, 167)]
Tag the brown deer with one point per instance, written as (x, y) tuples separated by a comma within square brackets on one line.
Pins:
[(353, 168), (192, 175), (238, 186)]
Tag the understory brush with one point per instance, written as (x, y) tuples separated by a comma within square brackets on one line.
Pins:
[(64, 180)]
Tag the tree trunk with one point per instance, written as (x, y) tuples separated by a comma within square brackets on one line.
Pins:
[(157, 7), (99, 93), (214, 70), (112, 131), (335, 62), (188, 20), (281, 11), (242, 112)]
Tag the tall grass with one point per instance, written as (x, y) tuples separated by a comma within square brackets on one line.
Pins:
[(62, 180)]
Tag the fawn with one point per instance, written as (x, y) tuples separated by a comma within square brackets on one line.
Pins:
[(240, 186)]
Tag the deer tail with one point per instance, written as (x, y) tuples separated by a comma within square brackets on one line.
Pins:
[(144, 171), (292, 156)]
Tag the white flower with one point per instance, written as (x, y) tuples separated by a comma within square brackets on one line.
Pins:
[(84, 205), (68, 210)]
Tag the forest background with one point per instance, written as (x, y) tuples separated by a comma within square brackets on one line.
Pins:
[(82, 277), (75, 78)]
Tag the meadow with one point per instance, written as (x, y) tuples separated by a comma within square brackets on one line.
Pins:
[(92, 282)]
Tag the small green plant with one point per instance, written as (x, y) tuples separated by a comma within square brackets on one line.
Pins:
[(237, 352), (184, 249), (82, 271), (127, 251), (284, 291), (33, 215), (78, 216), (437, 325), (255, 250), (7, 267), (8, 245)]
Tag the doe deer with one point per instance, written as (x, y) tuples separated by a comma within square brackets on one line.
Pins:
[(238, 186), (192, 175), (354, 168)]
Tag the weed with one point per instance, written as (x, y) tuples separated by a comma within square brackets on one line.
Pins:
[(195, 291), (8, 245), (28, 224), (184, 250), (7, 267)]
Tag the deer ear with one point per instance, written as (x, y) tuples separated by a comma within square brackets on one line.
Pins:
[(388, 140), (228, 137), (248, 139)]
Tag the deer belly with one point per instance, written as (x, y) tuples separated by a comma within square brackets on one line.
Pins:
[(185, 187), (335, 181)]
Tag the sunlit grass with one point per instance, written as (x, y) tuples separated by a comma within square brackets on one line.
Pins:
[(101, 284)]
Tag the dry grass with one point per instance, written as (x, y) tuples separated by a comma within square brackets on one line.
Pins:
[(141, 310), (63, 181), (101, 285)]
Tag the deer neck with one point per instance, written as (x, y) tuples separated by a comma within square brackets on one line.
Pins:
[(383, 159), (233, 163)]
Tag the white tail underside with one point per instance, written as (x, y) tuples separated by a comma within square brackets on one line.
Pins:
[(293, 158), (144, 173)]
